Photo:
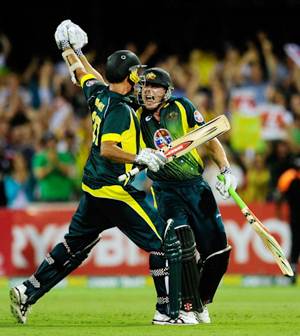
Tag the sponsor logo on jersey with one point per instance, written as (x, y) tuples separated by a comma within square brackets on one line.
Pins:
[(91, 82), (148, 118), (198, 117), (162, 138)]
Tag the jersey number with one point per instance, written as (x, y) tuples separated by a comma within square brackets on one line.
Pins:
[(96, 127)]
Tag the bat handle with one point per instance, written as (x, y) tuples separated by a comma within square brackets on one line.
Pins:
[(130, 173), (242, 205)]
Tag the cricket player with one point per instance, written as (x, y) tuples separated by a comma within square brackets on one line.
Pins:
[(181, 192), (288, 188), (106, 203)]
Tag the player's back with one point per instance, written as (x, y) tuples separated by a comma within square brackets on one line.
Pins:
[(113, 120)]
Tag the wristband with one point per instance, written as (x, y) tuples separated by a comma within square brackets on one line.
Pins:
[(225, 170), (78, 52), (64, 44)]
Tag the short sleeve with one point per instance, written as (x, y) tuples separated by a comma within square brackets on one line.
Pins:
[(116, 122), (91, 86), (194, 117)]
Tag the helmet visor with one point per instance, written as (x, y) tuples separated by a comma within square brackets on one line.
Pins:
[(135, 73)]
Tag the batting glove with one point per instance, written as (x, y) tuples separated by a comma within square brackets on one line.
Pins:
[(229, 181), (61, 35), (153, 160), (77, 38)]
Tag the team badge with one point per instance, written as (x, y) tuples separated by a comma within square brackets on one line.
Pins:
[(162, 138), (151, 76), (172, 116), (198, 117), (188, 306), (91, 82)]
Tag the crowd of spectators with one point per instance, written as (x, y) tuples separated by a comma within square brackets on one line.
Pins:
[(45, 127)]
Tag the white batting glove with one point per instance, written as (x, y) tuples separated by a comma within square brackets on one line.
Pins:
[(229, 181), (153, 160), (61, 35), (77, 36)]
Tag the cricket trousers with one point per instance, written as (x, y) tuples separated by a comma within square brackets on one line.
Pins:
[(98, 210), (192, 203)]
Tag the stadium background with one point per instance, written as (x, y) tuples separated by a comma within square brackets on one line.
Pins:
[(177, 26), (193, 34), (253, 299)]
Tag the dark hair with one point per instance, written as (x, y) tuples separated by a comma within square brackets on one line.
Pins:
[(48, 136)]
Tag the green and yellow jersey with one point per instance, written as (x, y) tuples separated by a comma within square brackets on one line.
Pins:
[(177, 117), (113, 120)]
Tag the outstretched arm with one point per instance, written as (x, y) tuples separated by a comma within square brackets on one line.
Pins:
[(70, 37), (78, 39), (74, 64), (90, 69)]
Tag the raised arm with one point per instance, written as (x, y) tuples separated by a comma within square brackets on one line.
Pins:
[(78, 39), (70, 38), (74, 64)]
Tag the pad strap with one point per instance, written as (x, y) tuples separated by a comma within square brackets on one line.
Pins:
[(190, 274), (173, 253)]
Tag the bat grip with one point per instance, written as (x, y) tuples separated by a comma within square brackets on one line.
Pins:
[(131, 173), (242, 205)]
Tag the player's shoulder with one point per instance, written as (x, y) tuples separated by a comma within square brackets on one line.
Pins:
[(90, 81), (120, 108), (183, 101), (180, 102), (140, 112), (192, 113)]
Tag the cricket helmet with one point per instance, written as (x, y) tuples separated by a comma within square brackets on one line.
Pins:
[(120, 64), (159, 77)]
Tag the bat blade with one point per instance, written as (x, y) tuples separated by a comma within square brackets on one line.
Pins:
[(173, 151), (199, 136), (269, 241), (189, 141), (262, 231)]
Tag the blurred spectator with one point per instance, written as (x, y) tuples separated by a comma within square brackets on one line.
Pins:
[(257, 181), (294, 128), (228, 70), (289, 188), (19, 184), (69, 144), (274, 116), (257, 88), (21, 136), (277, 71), (61, 113), (4, 168), (294, 135), (54, 171), (203, 101), (5, 48), (204, 62), (278, 161)]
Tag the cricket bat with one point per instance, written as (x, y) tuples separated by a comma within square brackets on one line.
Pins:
[(189, 141), (269, 241)]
